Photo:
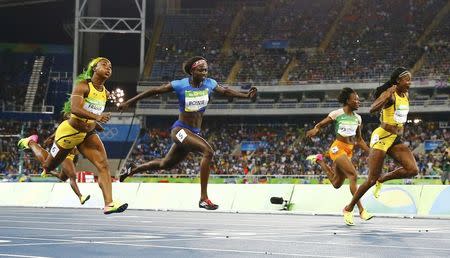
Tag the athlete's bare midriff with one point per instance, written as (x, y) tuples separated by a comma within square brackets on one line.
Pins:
[(81, 125), (348, 140), (192, 119), (398, 130)]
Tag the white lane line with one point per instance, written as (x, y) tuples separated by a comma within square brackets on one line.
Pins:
[(220, 250), (112, 237), (229, 217), (24, 256), (164, 240), (42, 239), (42, 244), (274, 229), (163, 246), (180, 228), (168, 221), (231, 232), (5, 241), (378, 246)]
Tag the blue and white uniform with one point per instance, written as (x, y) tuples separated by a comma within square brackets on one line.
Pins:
[(192, 99)]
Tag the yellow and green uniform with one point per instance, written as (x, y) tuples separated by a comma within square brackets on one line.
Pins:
[(396, 115), (346, 126), (68, 137)]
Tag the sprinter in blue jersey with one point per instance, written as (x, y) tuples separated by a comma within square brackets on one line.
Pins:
[(193, 94)]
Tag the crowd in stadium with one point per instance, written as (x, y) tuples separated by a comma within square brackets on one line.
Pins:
[(10, 160), (281, 149), (360, 46), (365, 43)]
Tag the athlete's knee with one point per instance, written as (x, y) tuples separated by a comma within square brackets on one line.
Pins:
[(412, 170), (102, 166), (352, 178), (208, 153), (48, 166), (165, 164), (337, 184)]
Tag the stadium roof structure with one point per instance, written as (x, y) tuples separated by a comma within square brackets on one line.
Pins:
[(12, 3), (90, 24)]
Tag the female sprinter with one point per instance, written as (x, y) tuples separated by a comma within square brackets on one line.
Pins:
[(193, 95), (348, 133), (88, 100), (392, 100)]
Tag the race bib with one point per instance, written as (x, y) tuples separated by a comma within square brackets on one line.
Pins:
[(181, 135), (334, 149), (54, 150), (195, 100), (375, 138), (347, 129), (93, 106), (401, 114)]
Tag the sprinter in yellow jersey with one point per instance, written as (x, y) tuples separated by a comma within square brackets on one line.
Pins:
[(88, 101), (67, 167), (392, 101)]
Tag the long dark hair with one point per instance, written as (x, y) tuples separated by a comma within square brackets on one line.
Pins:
[(187, 66), (395, 76)]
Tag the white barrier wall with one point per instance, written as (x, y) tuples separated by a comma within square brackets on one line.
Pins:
[(405, 200)]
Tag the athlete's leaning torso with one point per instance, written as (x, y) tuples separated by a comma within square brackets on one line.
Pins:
[(395, 115), (346, 125), (94, 102), (192, 101)]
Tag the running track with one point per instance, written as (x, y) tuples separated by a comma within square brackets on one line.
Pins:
[(52, 232)]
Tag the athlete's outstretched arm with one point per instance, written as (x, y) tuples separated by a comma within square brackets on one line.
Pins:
[(384, 98), (313, 132), (148, 93), (233, 93), (77, 102), (360, 141)]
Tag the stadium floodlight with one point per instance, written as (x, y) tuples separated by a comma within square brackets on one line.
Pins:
[(116, 96)]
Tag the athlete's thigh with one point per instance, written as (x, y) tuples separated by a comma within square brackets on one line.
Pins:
[(402, 154), (93, 149), (175, 155), (189, 140), (56, 157)]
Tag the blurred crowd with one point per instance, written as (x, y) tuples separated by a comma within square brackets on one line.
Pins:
[(242, 149), (281, 149)]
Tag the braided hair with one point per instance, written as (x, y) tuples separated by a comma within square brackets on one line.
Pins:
[(395, 77)]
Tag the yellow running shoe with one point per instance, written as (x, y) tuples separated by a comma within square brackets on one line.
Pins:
[(44, 174), (84, 198), (23, 143), (348, 218), (115, 207), (377, 190), (314, 158), (365, 215)]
